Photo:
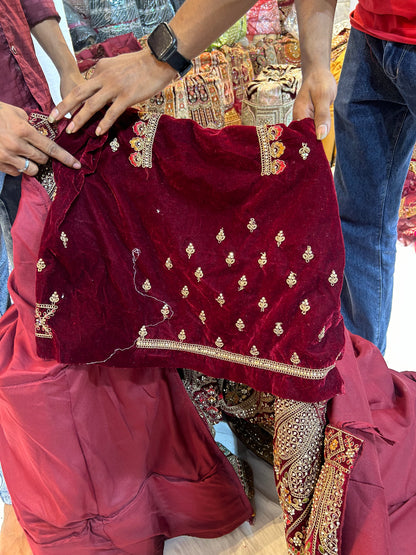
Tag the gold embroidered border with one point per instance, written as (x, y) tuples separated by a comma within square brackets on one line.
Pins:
[(220, 354), (340, 454), (266, 158)]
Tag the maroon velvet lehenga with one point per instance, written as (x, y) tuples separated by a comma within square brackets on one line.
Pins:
[(112, 457)]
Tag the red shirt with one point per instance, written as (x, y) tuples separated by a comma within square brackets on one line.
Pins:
[(393, 20), (22, 81)]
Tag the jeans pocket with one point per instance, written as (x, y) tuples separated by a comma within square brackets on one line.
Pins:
[(393, 56)]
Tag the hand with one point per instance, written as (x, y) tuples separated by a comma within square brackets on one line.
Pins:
[(121, 81), (19, 141), (314, 98)]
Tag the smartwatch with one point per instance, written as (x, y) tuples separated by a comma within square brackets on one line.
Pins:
[(163, 45)]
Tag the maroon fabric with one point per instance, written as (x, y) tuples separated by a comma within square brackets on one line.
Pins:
[(101, 460), (379, 406), (122, 221), (23, 83), (122, 44)]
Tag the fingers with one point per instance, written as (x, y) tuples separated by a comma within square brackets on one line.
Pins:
[(74, 100), (41, 147)]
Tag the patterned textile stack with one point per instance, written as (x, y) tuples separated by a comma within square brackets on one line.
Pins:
[(407, 214)]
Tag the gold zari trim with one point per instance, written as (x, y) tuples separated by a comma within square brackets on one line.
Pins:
[(212, 352)]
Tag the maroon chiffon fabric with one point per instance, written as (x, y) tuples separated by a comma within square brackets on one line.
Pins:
[(233, 233)]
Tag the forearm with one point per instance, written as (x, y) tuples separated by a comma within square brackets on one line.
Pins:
[(315, 20), (198, 22), (49, 36)]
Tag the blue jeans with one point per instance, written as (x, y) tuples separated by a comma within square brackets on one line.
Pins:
[(375, 126)]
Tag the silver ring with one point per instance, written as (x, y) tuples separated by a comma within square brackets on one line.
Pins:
[(27, 162)]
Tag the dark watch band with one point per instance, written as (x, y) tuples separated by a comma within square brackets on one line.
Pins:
[(162, 42)]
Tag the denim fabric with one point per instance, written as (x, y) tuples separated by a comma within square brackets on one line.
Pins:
[(375, 126), (4, 493)]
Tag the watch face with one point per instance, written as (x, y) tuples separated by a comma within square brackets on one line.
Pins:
[(161, 42)]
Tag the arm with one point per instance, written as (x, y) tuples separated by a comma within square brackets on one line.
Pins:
[(132, 78), (49, 36), (315, 19)]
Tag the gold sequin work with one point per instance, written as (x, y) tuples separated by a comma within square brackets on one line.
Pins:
[(40, 265), (190, 250), (185, 291), (199, 274), (333, 278), (280, 237), (168, 264), (182, 335), (252, 225), (219, 343), (291, 279), (304, 306), (308, 254), (240, 324), (146, 285), (304, 151), (220, 299), (230, 259), (271, 149), (242, 282), (254, 351), (220, 235), (278, 329), (262, 261), (114, 145), (202, 317), (145, 129), (63, 237), (262, 304)]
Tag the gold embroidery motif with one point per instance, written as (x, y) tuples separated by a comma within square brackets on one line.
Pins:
[(40, 265), (321, 334), (220, 299), (280, 238), (199, 274), (304, 306), (146, 285), (54, 298), (220, 235), (165, 311), (182, 335), (114, 145), (230, 259), (333, 278), (142, 332), (263, 304), (264, 364), (294, 359), (219, 343), (304, 151), (240, 324), (270, 149), (143, 143), (254, 351), (308, 254), (43, 313), (190, 250), (202, 317), (242, 282), (63, 237), (291, 279), (252, 226), (168, 264), (262, 261), (278, 329), (185, 291)]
